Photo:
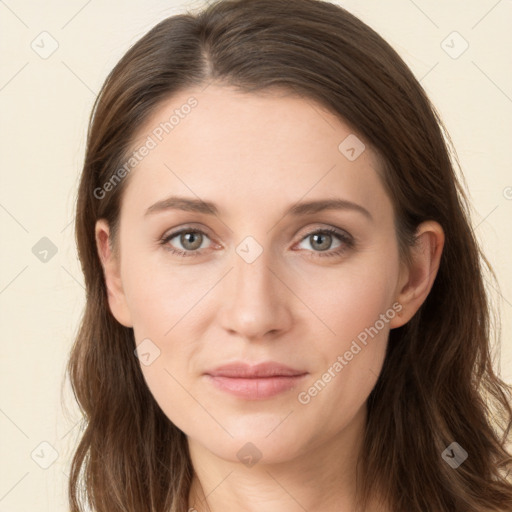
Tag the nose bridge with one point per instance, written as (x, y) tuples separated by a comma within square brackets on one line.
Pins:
[(255, 305)]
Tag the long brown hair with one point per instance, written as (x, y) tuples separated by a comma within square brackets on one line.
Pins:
[(437, 385)]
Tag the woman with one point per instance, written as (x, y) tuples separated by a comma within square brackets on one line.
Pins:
[(285, 299)]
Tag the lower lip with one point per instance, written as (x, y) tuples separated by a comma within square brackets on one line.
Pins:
[(256, 388)]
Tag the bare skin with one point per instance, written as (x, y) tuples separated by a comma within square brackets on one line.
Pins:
[(255, 156)]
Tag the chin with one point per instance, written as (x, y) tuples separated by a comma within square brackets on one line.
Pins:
[(254, 442)]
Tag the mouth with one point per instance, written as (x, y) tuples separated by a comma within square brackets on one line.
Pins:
[(255, 382)]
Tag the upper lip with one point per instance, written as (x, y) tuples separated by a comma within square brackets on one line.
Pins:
[(243, 370)]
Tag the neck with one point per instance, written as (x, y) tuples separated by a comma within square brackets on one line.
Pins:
[(322, 477)]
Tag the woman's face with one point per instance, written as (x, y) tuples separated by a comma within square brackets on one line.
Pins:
[(260, 280)]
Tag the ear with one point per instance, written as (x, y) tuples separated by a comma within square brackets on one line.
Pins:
[(416, 280), (112, 272)]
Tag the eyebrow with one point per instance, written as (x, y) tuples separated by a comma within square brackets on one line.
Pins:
[(209, 208)]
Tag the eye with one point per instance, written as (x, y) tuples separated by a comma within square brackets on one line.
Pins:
[(190, 239), (321, 240)]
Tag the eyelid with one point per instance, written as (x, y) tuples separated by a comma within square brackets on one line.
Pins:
[(331, 229), (186, 228)]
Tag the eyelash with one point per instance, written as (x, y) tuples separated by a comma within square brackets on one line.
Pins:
[(347, 242)]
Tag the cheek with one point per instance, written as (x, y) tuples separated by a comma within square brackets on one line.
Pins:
[(357, 306), (163, 324), (174, 393), (160, 295), (166, 308), (350, 298)]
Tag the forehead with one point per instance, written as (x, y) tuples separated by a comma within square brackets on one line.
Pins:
[(251, 149)]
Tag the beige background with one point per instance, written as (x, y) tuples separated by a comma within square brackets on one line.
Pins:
[(45, 106)]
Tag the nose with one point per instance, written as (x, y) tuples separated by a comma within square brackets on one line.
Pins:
[(256, 303)]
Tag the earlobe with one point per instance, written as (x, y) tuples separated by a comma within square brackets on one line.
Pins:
[(419, 277), (112, 274)]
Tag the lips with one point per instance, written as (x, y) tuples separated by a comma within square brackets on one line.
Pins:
[(255, 382), (246, 371)]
